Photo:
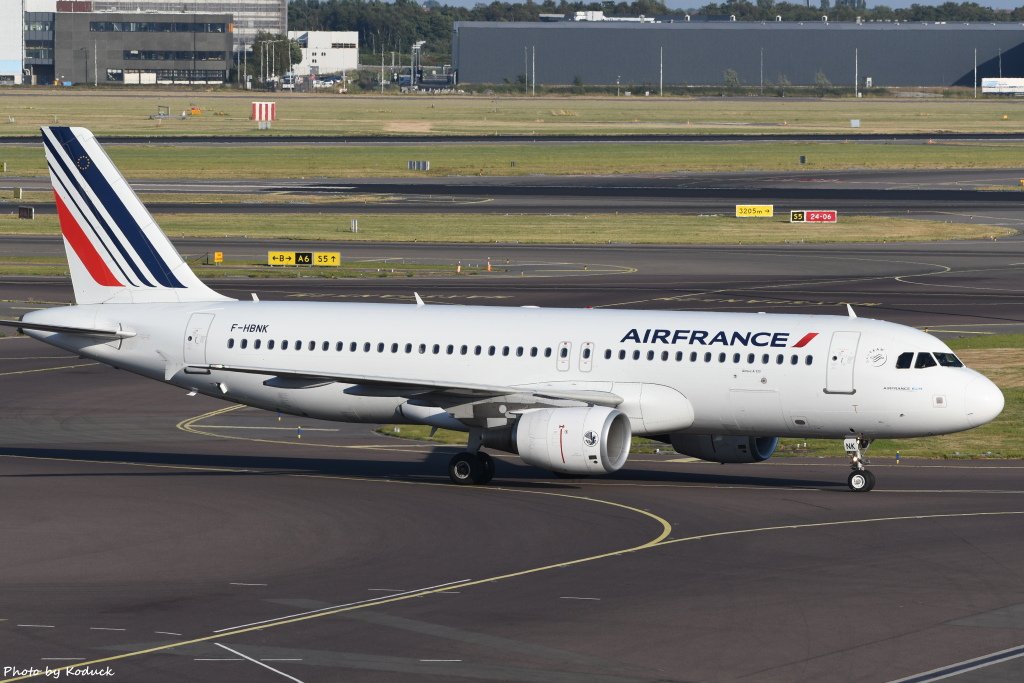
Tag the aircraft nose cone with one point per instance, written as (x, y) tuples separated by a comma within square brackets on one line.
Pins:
[(983, 401)]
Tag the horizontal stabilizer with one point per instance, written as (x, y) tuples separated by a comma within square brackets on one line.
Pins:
[(65, 329)]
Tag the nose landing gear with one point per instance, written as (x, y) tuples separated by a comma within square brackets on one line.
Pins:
[(860, 479)]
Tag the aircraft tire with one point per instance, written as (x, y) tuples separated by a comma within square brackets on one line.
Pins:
[(466, 468), (861, 481), (487, 473)]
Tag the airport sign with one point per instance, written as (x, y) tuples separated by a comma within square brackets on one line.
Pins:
[(303, 258), (806, 216), (755, 210)]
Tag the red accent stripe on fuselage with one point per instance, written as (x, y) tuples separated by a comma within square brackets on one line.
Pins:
[(805, 340), (87, 253)]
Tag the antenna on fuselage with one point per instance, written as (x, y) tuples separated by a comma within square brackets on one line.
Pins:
[(419, 300), (849, 311)]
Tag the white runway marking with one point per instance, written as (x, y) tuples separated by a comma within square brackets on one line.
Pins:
[(348, 604), (166, 633), (235, 583), (574, 597), (440, 660), (35, 626), (963, 667), (280, 659), (259, 663), (61, 659), (218, 659), (104, 628)]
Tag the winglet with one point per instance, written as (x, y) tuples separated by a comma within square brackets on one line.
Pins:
[(419, 300), (849, 311)]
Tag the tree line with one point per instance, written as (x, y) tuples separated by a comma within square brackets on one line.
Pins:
[(393, 26)]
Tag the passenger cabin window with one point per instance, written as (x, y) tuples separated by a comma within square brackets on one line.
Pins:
[(270, 344), (231, 343), (353, 346), (256, 343), (547, 352), (924, 360), (563, 352), (326, 346), (340, 346), (394, 347), (284, 344), (607, 354), (904, 360), (312, 346), (298, 345)]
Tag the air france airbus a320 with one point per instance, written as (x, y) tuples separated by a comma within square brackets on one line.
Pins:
[(564, 389)]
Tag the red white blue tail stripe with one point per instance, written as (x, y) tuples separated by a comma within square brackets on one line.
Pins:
[(106, 228)]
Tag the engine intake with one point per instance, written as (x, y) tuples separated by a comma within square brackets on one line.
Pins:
[(726, 449), (593, 440)]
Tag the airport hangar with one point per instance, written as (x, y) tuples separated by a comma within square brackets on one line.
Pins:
[(699, 52)]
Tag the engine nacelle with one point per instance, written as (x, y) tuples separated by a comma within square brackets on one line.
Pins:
[(731, 449), (593, 440)]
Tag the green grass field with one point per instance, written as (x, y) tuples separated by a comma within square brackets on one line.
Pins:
[(343, 161), (531, 228), (226, 112)]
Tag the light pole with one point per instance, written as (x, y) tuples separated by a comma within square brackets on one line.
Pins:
[(617, 79)]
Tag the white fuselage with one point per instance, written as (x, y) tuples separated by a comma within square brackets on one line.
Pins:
[(691, 372)]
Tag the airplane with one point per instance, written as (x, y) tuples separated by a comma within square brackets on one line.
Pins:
[(565, 389)]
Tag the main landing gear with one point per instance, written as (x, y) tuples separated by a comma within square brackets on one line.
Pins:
[(860, 479), (471, 468)]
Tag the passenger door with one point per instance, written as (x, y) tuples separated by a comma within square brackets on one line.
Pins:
[(196, 332), (842, 356)]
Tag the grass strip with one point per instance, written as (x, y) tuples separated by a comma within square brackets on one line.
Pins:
[(537, 229), (197, 162)]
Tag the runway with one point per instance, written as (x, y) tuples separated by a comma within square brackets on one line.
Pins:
[(973, 195)]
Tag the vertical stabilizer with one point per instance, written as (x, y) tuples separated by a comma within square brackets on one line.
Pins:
[(116, 251)]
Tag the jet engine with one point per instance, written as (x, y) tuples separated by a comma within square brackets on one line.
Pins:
[(731, 449), (592, 440)]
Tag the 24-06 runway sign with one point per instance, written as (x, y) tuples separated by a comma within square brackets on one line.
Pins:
[(827, 216)]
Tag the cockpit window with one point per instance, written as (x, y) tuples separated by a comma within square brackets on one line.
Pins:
[(904, 360), (948, 360), (924, 360)]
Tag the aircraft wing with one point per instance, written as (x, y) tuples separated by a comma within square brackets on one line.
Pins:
[(87, 331), (400, 385)]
